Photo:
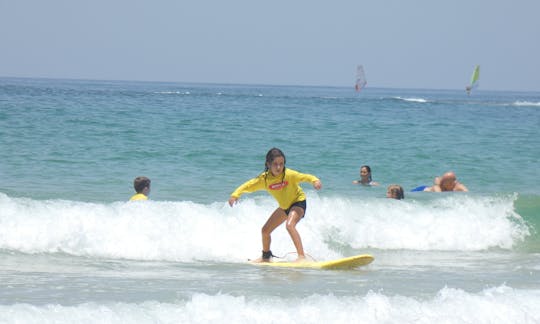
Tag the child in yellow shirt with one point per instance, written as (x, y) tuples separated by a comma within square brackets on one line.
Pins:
[(284, 185)]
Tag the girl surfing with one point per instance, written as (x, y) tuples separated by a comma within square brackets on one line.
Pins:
[(284, 185)]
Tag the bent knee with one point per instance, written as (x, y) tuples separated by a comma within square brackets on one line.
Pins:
[(291, 226)]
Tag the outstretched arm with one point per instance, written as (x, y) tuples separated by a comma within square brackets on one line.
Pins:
[(248, 186)]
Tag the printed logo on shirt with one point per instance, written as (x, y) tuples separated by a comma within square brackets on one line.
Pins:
[(278, 186)]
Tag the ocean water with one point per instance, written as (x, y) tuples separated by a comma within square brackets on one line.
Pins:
[(72, 249)]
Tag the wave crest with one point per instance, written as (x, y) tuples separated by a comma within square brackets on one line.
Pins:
[(187, 231)]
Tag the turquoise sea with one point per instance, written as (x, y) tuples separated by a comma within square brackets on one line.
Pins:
[(72, 249)]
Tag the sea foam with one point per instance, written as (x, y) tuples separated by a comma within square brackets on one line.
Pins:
[(492, 305), (187, 231), (527, 104)]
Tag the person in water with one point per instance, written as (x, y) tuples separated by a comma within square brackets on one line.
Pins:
[(284, 185), (142, 188), (436, 182), (365, 177), (448, 182), (395, 191)]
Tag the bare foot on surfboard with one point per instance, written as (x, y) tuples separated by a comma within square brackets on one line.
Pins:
[(300, 259)]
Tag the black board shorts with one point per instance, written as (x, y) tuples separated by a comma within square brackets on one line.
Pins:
[(302, 204)]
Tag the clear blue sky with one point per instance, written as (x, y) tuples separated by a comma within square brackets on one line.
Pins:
[(402, 44)]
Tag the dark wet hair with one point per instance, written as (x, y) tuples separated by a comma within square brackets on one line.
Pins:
[(140, 183), (368, 170), (270, 156)]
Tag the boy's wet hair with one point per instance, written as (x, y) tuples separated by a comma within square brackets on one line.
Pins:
[(140, 183)]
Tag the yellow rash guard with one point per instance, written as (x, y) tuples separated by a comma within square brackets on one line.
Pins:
[(138, 196), (286, 193)]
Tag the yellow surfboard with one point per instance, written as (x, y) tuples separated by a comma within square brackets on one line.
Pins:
[(344, 263)]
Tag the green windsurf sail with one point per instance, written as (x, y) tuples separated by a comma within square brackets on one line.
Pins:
[(475, 78)]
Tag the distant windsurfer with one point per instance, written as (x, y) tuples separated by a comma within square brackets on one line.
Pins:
[(360, 78), (474, 80)]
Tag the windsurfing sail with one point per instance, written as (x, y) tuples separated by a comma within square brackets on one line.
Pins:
[(474, 79), (360, 78)]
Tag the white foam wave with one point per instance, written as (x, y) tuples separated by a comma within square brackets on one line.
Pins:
[(420, 100), (449, 223), (526, 104), (493, 305), (187, 231), (173, 92)]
